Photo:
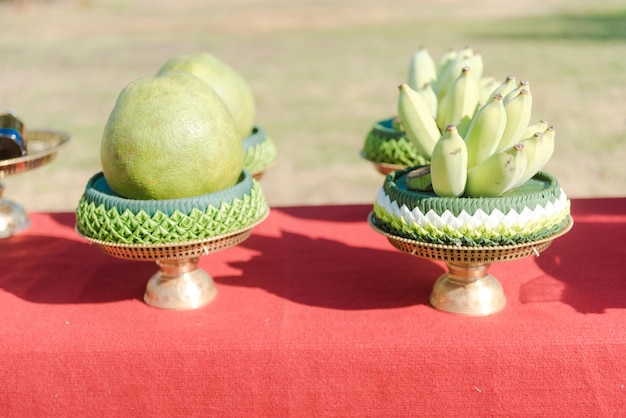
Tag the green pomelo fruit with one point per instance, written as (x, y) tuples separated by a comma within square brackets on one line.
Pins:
[(170, 137), (227, 83)]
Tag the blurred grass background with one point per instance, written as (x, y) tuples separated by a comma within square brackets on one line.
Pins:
[(322, 71)]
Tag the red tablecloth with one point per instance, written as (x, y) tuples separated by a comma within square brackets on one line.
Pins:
[(316, 315)]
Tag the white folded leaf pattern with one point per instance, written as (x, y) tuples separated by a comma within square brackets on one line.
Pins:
[(496, 222)]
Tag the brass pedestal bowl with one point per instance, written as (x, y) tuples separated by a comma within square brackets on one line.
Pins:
[(43, 146), (467, 288), (174, 233), (179, 284)]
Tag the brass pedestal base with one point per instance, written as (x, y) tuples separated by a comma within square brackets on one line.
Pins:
[(13, 218)]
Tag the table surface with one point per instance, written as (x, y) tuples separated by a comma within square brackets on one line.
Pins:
[(316, 315)]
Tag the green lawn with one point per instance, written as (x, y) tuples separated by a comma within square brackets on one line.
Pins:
[(322, 71)]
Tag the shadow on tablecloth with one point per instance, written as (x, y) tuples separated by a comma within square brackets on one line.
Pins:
[(331, 274), (46, 269), (339, 213), (584, 267)]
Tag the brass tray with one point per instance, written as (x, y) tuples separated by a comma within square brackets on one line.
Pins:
[(43, 146)]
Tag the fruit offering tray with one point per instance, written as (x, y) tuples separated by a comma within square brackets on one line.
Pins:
[(174, 233)]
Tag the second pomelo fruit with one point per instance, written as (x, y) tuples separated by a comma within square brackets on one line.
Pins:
[(169, 137), (227, 83)]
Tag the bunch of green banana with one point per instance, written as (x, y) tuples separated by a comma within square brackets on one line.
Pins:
[(450, 100), (447, 92)]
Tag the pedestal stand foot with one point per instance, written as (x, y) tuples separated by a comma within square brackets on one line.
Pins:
[(180, 284), (468, 289), (13, 218)]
